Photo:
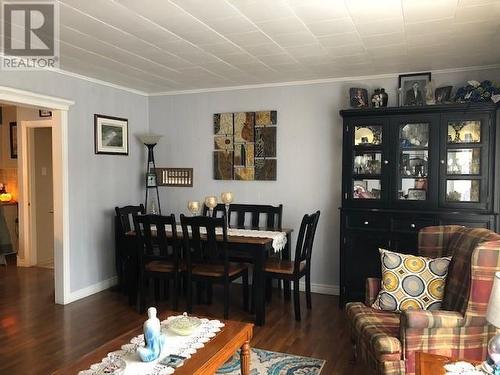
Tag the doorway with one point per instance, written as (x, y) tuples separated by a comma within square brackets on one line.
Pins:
[(41, 196)]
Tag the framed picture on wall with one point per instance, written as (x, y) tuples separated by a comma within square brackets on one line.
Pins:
[(110, 135), (13, 140), (44, 113)]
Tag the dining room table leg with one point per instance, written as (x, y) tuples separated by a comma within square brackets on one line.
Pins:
[(259, 289), (287, 287)]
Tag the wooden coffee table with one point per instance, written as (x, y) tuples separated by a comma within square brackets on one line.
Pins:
[(433, 364), (207, 360)]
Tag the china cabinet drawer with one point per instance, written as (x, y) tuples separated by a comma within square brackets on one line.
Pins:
[(411, 224), (368, 222)]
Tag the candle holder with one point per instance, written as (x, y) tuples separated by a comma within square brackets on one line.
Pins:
[(194, 207), (227, 199), (211, 203)]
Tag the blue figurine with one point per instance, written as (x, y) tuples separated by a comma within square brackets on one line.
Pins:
[(153, 338)]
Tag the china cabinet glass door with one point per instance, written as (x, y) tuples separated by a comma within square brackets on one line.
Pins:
[(367, 162), (415, 153), (464, 162)]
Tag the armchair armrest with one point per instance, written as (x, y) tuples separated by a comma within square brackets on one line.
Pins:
[(371, 290), (431, 319)]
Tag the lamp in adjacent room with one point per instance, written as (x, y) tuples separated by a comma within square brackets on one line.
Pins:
[(4, 195), (493, 317), (150, 140)]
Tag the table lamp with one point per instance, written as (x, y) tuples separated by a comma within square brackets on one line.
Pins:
[(211, 203), (493, 317), (227, 199), (194, 207)]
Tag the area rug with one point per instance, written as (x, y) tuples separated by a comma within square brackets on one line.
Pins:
[(264, 362)]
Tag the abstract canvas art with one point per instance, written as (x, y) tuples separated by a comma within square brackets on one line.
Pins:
[(245, 146)]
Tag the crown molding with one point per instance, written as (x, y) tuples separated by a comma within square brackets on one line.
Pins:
[(98, 81), (320, 81)]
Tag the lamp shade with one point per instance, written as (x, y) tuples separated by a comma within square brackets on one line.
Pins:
[(149, 138), (493, 313)]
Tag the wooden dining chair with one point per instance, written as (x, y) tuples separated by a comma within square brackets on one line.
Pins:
[(124, 246), (207, 259), (260, 215), (159, 253), (301, 266), (219, 210)]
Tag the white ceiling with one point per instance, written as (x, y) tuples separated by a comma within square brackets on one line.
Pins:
[(170, 45)]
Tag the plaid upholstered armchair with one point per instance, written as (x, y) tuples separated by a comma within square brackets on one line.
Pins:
[(387, 341)]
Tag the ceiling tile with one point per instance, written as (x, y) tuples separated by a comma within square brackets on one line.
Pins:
[(426, 10), (337, 40), (282, 26), (294, 39), (337, 26), (367, 11), (317, 11), (388, 26), (253, 38)]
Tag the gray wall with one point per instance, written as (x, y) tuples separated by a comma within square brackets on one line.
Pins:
[(309, 145), (97, 183)]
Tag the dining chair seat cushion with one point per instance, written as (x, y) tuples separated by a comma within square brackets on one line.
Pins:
[(217, 270), (274, 265), (162, 266)]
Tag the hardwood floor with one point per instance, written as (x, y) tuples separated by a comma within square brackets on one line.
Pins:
[(38, 336)]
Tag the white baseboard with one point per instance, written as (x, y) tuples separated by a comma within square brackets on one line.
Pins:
[(332, 290), (21, 262), (92, 289)]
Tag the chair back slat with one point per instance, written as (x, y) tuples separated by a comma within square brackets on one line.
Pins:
[(203, 247), (125, 216), (305, 239), (219, 210), (260, 215), (157, 237)]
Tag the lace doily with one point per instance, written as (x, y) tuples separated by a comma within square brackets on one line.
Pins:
[(184, 346)]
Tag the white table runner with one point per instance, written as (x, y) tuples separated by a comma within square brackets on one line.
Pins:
[(174, 344), (279, 238)]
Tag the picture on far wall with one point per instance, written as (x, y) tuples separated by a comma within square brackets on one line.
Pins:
[(245, 146), (443, 94), (413, 88), (110, 135), (358, 97), (44, 113), (13, 140)]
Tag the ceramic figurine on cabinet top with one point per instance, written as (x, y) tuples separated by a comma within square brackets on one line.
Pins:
[(376, 99), (384, 96), (153, 339)]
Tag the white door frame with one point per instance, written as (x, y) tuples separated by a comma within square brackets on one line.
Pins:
[(61, 193)]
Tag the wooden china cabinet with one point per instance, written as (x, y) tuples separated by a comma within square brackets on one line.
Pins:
[(405, 168)]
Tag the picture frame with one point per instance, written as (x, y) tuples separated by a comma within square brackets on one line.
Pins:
[(44, 113), (413, 88), (358, 97), (13, 139), (110, 135), (151, 179), (443, 94), (417, 194)]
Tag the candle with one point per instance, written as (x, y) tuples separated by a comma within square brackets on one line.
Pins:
[(211, 202), (194, 207), (226, 197)]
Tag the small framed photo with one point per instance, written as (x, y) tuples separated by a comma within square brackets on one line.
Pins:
[(443, 94), (44, 113), (417, 194), (13, 139), (412, 88), (110, 135), (151, 179), (358, 97)]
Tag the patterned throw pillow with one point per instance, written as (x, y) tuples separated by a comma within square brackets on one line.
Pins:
[(411, 282)]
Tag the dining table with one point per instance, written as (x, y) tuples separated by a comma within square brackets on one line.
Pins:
[(254, 249)]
